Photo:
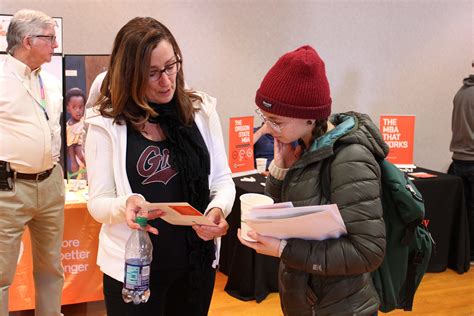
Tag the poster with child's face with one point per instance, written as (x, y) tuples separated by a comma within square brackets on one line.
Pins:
[(79, 72)]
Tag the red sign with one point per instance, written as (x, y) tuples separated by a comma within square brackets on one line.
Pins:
[(398, 132), (241, 144)]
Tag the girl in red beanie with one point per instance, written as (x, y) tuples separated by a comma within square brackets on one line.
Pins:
[(332, 276)]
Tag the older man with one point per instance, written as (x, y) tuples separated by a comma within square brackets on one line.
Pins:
[(31, 181)]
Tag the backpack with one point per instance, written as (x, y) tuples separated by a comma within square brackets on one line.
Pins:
[(408, 241)]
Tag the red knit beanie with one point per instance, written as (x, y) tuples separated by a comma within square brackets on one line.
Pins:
[(296, 86)]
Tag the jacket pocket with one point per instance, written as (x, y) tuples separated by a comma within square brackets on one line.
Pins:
[(296, 293)]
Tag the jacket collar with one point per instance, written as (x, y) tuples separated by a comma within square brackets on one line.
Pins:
[(323, 146), (337, 132)]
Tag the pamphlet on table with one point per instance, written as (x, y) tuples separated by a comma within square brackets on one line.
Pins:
[(422, 175)]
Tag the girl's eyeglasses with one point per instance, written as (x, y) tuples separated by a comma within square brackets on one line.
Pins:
[(277, 127)]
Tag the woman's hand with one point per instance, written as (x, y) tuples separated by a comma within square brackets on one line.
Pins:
[(285, 155), (206, 232), (135, 206), (264, 245)]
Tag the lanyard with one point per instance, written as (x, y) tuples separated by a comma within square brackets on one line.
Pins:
[(43, 97), (42, 102)]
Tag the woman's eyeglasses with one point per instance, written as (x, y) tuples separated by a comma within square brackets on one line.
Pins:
[(277, 127), (169, 70)]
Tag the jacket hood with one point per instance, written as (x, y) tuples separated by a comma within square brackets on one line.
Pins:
[(469, 81), (350, 128), (364, 132)]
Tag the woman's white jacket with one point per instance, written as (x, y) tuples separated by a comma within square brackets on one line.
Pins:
[(109, 188)]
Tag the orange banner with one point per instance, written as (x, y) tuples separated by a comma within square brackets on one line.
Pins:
[(398, 132), (83, 279), (241, 144)]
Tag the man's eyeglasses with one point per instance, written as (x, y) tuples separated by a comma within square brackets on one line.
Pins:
[(50, 38), (169, 70), (277, 127)]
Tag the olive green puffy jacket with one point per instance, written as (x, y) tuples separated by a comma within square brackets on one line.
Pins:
[(332, 277)]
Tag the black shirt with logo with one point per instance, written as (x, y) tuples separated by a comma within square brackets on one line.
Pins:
[(150, 174)]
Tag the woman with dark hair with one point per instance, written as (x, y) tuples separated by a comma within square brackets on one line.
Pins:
[(322, 277), (152, 140)]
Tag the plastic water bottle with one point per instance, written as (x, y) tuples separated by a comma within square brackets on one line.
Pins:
[(138, 256)]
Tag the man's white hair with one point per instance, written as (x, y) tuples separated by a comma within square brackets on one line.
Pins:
[(26, 22)]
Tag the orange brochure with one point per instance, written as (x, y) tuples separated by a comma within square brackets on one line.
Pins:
[(180, 213), (398, 132), (241, 144)]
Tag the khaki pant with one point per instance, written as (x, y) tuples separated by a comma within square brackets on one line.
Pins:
[(40, 206)]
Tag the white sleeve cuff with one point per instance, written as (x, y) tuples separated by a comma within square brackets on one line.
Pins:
[(282, 247), (277, 172)]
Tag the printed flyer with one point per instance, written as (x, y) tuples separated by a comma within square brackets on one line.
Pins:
[(241, 144), (398, 132)]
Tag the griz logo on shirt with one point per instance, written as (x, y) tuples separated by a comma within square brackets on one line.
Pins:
[(153, 165)]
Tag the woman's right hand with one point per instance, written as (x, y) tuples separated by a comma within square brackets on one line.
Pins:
[(136, 206), (285, 155)]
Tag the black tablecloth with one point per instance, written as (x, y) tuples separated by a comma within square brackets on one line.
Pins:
[(445, 208), (253, 276)]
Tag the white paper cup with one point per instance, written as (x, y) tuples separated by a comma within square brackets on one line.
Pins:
[(261, 164), (247, 201)]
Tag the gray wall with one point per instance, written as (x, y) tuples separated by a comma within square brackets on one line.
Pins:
[(382, 57)]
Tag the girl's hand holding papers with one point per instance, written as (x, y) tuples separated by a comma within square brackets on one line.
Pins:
[(263, 245)]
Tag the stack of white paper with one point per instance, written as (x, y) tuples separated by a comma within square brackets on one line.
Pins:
[(283, 221)]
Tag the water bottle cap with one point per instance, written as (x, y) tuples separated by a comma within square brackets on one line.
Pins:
[(141, 221)]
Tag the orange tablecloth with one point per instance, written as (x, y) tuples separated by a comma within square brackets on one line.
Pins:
[(83, 279)]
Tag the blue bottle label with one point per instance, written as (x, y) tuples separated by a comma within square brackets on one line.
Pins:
[(137, 276)]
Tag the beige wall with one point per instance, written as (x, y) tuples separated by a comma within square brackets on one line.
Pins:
[(382, 57)]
